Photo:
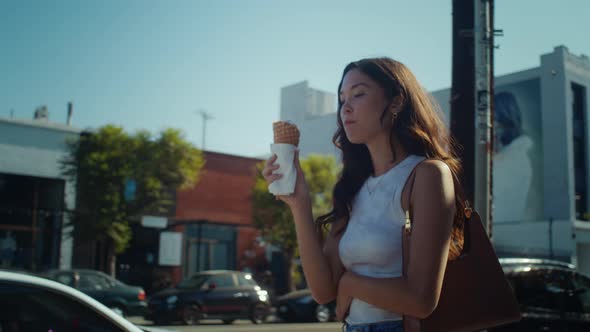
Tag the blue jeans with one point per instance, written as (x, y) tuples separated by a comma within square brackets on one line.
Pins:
[(391, 326)]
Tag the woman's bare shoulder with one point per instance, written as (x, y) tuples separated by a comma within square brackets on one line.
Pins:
[(433, 168), (434, 186), (434, 181)]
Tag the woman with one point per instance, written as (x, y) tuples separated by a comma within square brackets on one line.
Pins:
[(388, 127), (512, 161)]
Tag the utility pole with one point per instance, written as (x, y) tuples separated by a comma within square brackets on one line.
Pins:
[(206, 117), (462, 100), (472, 99), (483, 120)]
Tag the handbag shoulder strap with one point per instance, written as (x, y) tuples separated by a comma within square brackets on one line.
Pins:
[(411, 180), (461, 200)]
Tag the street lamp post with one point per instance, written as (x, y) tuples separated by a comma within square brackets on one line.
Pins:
[(206, 117)]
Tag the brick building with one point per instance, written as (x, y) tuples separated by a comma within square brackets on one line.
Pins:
[(216, 217), (214, 220)]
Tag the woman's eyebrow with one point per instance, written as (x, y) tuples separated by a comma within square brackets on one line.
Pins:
[(354, 86)]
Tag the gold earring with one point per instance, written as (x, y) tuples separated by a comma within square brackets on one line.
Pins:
[(394, 117)]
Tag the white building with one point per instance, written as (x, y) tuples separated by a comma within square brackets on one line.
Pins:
[(313, 111), (34, 193), (541, 204)]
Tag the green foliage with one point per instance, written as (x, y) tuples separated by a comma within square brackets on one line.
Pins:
[(321, 175), (103, 162), (273, 217)]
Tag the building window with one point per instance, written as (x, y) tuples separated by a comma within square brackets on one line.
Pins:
[(31, 214), (579, 138), (210, 247)]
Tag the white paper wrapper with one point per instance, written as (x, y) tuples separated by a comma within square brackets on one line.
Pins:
[(285, 157)]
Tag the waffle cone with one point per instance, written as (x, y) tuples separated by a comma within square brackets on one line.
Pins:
[(285, 133)]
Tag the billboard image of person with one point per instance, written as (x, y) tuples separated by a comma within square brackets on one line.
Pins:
[(512, 166)]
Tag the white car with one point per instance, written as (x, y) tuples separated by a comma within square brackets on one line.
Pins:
[(29, 303)]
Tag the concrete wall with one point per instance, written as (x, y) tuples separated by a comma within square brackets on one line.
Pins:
[(321, 103), (556, 115), (577, 69), (314, 112), (295, 103), (316, 136), (543, 238)]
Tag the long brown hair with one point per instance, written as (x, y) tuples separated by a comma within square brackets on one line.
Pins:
[(419, 128)]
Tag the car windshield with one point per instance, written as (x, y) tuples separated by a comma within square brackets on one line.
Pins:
[(193, 282), (113, 281)]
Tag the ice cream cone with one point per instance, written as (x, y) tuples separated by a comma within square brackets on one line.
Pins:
[(285, 133)]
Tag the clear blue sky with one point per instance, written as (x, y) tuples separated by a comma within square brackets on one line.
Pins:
[(152, 64)]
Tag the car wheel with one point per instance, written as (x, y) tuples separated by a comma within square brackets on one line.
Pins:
[(117, 309), (228, 321), (322, 313), (258, 313), (190, 315)]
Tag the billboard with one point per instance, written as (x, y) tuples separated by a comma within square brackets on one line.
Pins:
[(517, 172)]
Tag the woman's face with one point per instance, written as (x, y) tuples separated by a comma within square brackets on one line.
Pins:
[(363, 102), (498, 132)]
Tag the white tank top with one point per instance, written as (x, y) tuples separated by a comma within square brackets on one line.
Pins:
[(371, 245)]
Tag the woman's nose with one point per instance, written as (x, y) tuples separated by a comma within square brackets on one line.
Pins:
[(346, 108)]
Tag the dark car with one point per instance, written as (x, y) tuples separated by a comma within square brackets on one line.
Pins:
[(30, 303), (124, 299), (219, 294), (299, 306), (552, 295)]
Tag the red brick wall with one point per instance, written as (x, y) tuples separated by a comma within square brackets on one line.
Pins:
[(222, 193)]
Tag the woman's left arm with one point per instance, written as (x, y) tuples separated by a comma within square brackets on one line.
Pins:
[(433, 210)]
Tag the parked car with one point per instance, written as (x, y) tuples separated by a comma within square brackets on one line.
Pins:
[(30, 303), (124, 299), (299, 306), (219, 294), (552, 295)]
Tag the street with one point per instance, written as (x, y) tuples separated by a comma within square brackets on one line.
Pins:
[(246, 326), (243, 325)]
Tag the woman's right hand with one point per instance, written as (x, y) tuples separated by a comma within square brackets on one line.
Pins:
[(300, 199)]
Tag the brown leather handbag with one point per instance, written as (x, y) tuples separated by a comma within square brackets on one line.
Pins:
[(475, 294)]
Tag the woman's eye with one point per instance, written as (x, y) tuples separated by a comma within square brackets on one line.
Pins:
[(360, 94)]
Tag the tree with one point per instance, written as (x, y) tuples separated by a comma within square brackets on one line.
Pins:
[(273, 218), (120, 177)]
